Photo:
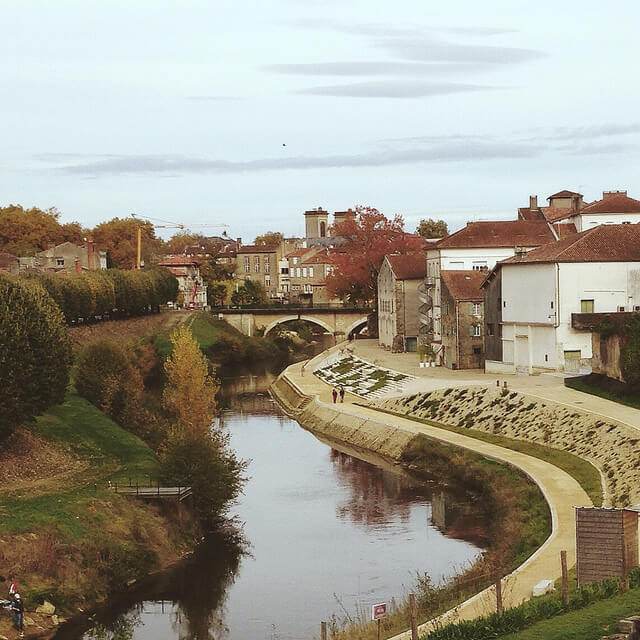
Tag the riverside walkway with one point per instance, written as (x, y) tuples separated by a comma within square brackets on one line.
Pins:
[(560, 490)]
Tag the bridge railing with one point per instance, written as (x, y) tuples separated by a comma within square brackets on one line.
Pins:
[(291, 306)]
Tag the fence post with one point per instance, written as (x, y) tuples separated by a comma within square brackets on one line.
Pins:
[(323, 630), (565, 578), (499, 594), (412, 616)]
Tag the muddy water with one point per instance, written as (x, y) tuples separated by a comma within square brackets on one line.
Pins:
[(324, 534)]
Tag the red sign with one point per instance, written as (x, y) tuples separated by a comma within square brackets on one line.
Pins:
[(379, 611)]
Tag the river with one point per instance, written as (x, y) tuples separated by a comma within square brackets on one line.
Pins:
[(324, 534)]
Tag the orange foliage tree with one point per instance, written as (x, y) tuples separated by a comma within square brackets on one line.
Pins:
[(367, 239)]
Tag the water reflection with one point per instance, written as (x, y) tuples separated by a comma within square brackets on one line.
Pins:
[(318, 522)]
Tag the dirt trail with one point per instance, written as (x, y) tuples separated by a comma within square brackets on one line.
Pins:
[(127, 329)]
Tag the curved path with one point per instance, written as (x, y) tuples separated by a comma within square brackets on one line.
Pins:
[(560, 490)]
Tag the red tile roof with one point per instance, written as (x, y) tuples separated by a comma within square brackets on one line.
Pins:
[(318, 258), (464, 285), (565, 229), (553, 214), (258, 248), (502, 233), (564, 194), (411, 266), (177, 261), (298, 253), (604, 243), (527, 213), (613, 203)]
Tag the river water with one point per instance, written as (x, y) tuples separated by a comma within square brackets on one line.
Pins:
[(324, 534)]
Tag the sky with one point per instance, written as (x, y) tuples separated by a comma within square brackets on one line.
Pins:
[(248, 113)]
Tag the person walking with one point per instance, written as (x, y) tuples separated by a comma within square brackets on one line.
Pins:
[(341, 393), (334, 393), (17, 610), (13, 586)]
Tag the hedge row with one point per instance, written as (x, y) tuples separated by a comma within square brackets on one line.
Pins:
[(99, 293)]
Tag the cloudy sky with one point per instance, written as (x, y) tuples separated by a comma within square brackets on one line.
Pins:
[(248, 113)]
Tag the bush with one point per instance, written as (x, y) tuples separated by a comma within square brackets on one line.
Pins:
[(631, 354), (35, 352)]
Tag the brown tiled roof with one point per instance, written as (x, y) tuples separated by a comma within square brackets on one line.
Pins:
[(464, 285), (553, 214), (298, 253), (258, 248), (526, 213), (410, 266), (176, 261), (604, 243), (501, 233), (564, 194), (613, 203), (317, 258), (565, 229)]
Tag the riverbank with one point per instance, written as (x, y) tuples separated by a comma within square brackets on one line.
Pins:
[(308, 399)]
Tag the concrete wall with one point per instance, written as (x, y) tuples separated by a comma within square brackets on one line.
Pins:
[(493, 318), (387, 316)]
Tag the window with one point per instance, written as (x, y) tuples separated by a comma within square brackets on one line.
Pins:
[(247, 265), (297, 272), (60, 262), (475, 330), (477, 351), (284, 271), (295, 261), (490, 328), (311, 272), (504, 303), (304, 272), (266, 264), (586, 306), (637, 307), (267, 281), (256, 264), (479, 265), (621, 309), (552, 304), (477, 308)]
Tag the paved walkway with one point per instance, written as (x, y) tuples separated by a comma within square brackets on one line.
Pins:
[(561, 490), (545, 386)]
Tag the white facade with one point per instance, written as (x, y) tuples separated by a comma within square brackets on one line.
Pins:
[(469, 259), (538, 300), (587, 221)]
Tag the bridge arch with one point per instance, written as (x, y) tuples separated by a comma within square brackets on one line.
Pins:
[(284, 319), (358, 323)]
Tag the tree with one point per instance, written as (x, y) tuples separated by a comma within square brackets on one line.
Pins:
[(25, 232), (367, 239), (189, 395), (181, 241), (269, 238), (119, 237), (251, 292), (35, 352), (630, 359), (432, 228)]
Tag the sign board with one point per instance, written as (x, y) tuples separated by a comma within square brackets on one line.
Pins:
[(379, 611)]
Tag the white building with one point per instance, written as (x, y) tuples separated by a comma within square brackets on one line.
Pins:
[(597, 270), (478, 246), (190, 283)]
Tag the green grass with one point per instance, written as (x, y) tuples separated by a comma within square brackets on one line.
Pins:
[(580, 385), (111, 453), (590, 623), (580, 470)]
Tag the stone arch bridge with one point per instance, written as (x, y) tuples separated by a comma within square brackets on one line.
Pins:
[(338, 321)]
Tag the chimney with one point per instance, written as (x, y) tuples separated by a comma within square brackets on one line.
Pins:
[(520, 252), (239, 242), (78, 266), (91, 254), (533, 202), (575, 203), (608, 194)]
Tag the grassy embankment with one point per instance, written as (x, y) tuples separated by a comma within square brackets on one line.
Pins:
[(605, 388), (71, 538)]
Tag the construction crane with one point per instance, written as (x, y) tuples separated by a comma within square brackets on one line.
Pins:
[(168, 225)]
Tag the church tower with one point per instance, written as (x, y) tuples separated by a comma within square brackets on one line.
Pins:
[(316, 223)]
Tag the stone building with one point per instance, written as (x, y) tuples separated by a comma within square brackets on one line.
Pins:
[(261, 264), (190, 284), (67, 258), (308, 269), (398, 282), (492, 287), (462, 319), (9, 263)]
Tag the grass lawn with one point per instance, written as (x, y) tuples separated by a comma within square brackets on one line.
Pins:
[(110, 453), (580, 470), (590, 623), (580, 385)]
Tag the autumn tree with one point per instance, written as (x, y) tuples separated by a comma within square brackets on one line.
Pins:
[(119, 237), (251, 292), (179, 242), (430, 228), (189, 394), (25, 232), (367, 239), (269, 238)]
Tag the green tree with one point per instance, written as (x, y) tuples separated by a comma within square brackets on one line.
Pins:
[(269, 238), (430, 228), (181, 241), (251, 292), (35, 352)]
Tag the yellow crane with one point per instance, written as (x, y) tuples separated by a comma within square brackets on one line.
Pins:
[(168, 225)]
